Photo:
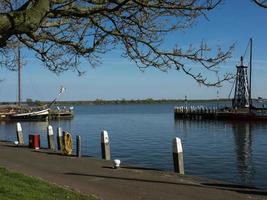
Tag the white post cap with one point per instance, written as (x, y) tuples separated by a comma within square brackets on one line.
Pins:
[(50, 130), (104, 137), (59, 130), (177, 145), (19, 127), (117, 163)]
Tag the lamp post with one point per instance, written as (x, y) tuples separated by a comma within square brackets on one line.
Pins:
[(185, 100)]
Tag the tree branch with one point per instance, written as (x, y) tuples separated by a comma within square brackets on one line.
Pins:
[(62, 31), (261, 3)]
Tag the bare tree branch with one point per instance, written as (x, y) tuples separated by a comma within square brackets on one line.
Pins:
[(60, 32), (261, 3)]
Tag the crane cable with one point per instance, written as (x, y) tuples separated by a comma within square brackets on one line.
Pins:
[(231, 89)]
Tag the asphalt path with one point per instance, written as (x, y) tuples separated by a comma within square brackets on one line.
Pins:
[(98, 177)]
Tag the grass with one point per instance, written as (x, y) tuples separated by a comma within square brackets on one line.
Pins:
[(15, 186)]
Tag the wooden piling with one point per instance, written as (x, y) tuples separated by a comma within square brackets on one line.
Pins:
[(19, 134), (178, 160), (59, 139), (50, 137), (105, 148), (78, 146)]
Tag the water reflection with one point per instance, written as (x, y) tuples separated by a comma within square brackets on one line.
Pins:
[(230, 142), (243, 146)]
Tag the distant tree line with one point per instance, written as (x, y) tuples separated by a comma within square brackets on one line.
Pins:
[(98, 101), (31, 102)]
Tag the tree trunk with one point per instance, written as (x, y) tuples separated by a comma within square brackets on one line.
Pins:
[(22, 21)]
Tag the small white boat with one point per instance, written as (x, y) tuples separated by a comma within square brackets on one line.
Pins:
[(41, 114)]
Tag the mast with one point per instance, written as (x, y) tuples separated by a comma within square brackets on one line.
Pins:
[(250, 72), (19, 67), (19, 77)]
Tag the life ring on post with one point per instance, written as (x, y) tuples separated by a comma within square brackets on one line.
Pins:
[(67, 143)]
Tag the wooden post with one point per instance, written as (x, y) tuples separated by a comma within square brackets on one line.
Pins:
[(50, 137), (59, 139), (19, 134), (177, 154), (105, 145), (78, 146)]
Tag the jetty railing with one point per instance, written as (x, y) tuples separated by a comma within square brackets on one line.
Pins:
[(195, 112)]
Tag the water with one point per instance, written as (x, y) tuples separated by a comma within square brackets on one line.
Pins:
[(142, 135)]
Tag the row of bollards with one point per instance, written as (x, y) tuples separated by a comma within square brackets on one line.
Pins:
[(64, 140), (64, 146)]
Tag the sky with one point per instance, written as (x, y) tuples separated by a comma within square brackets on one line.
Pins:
[(234, 21)]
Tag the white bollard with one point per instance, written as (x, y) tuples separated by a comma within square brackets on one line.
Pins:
[(116, 163), (50, 137), (105, 145), (177, 154), (59, 139), (19, 134)]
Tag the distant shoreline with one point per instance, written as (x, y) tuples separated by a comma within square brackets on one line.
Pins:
[(121, 101)]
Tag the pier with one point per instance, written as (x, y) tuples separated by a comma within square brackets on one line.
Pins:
[(61, 114), (213, 113)]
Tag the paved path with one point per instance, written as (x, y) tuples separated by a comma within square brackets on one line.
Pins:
[(93, 176)]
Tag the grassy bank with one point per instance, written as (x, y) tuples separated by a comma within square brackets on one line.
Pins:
[(15, 186)]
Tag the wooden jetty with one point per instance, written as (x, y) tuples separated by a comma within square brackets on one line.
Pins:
[(61, 114), (213, 113)]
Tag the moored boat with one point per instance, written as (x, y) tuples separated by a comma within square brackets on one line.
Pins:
[(35, 114)]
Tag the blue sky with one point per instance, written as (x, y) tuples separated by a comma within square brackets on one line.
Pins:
[(234, 21)]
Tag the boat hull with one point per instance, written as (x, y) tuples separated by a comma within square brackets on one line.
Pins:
[(41, 115)]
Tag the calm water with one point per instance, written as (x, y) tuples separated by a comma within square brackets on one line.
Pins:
[(142, 135)]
